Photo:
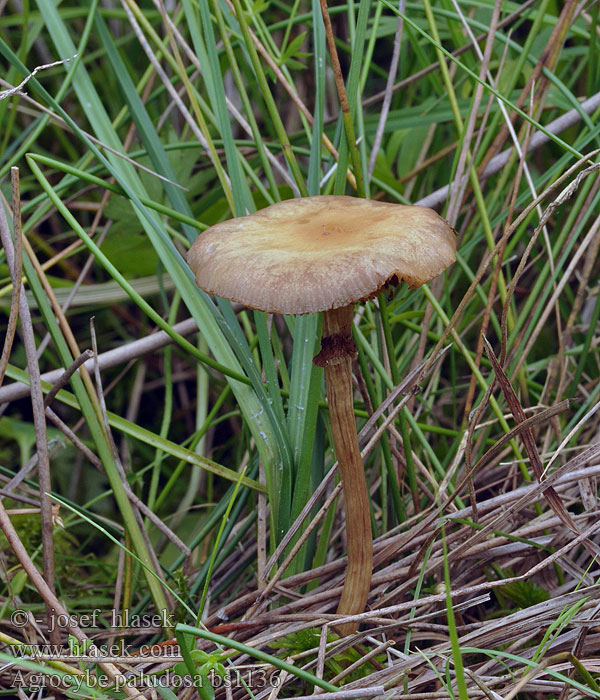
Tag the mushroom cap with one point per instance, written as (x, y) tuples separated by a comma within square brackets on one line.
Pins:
[(318, 253)]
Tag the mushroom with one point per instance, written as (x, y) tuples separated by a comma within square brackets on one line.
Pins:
[(323, 254)]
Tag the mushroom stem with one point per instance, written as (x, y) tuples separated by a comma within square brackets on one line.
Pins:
[(336, 356)]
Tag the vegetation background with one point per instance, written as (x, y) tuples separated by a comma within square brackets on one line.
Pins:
[(191, 474)]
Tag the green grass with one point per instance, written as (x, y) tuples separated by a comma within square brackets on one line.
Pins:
[(162, 124)]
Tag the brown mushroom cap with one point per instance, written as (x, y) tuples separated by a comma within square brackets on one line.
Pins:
[(318, 253)]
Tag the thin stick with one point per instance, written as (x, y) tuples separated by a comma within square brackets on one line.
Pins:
[(389, 89), (362, 660), (371, 692), (136, 503), (111, 358), (496, 164), (86, 266), (489, 256), (297, 546), (53, 445), (135, 500), (57, 119), (549, 305), (37, 397), (344, 104), (237, 115), (466, 153), (52, 602), (434, 67), (16, 273), (66, 376), (293, 96), (17, 89)]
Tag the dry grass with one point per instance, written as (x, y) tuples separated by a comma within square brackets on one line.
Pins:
[(149, 468)]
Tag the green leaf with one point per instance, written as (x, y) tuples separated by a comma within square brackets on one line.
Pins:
[(292, 50), (131, 249)]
